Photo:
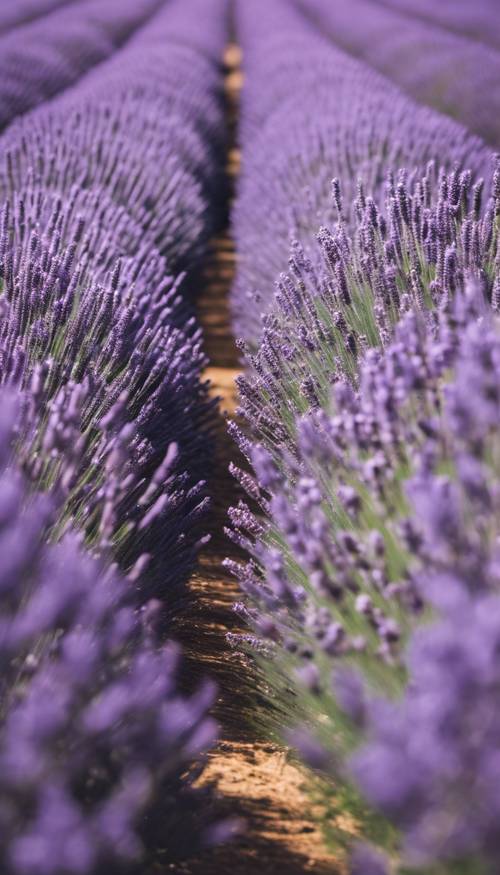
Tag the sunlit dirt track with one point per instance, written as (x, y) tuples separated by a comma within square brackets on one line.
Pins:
[(254, 780)]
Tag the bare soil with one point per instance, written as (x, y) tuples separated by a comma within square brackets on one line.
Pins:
[(254, 780)]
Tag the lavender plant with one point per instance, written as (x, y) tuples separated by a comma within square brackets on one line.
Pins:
[(112, 435), (95, 734), (47, 55), (421, 58), (358, 129), (428, 761), (370, 420), (339, 503)]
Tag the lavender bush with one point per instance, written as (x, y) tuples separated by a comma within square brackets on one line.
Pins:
[(358, 128), (428, 762), (45, 56), (95, 735), (421, 58)]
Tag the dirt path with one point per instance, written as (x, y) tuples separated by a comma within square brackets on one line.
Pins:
[(255, 780)]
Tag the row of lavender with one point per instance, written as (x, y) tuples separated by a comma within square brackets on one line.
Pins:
[(451, 72), (479, 20), (105, 437), (363, 127), (371, 414), (14, 13), (43, 57)]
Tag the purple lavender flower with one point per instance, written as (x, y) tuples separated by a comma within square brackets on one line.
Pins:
[(108, 194), (387, 444), (370, 415), (365, 860), (101, 144), (320, 325), (107, 343)]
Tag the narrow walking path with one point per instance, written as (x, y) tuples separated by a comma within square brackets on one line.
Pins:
[(254, 779)]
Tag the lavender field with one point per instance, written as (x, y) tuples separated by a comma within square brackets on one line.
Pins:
[(249, 437)]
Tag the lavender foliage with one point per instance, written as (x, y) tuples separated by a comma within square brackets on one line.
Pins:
[(342, 536), (357, 128), (370, 420), (430, 760), (421, 58), (95, 734), (112, 435)]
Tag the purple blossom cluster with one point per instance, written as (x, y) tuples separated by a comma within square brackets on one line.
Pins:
[(109, 196), (357, 129), (421, 58), (430, 761), (49, 54), (478, 20), (95, 734)]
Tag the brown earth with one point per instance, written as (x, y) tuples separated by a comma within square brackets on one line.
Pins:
[(254, 780)]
